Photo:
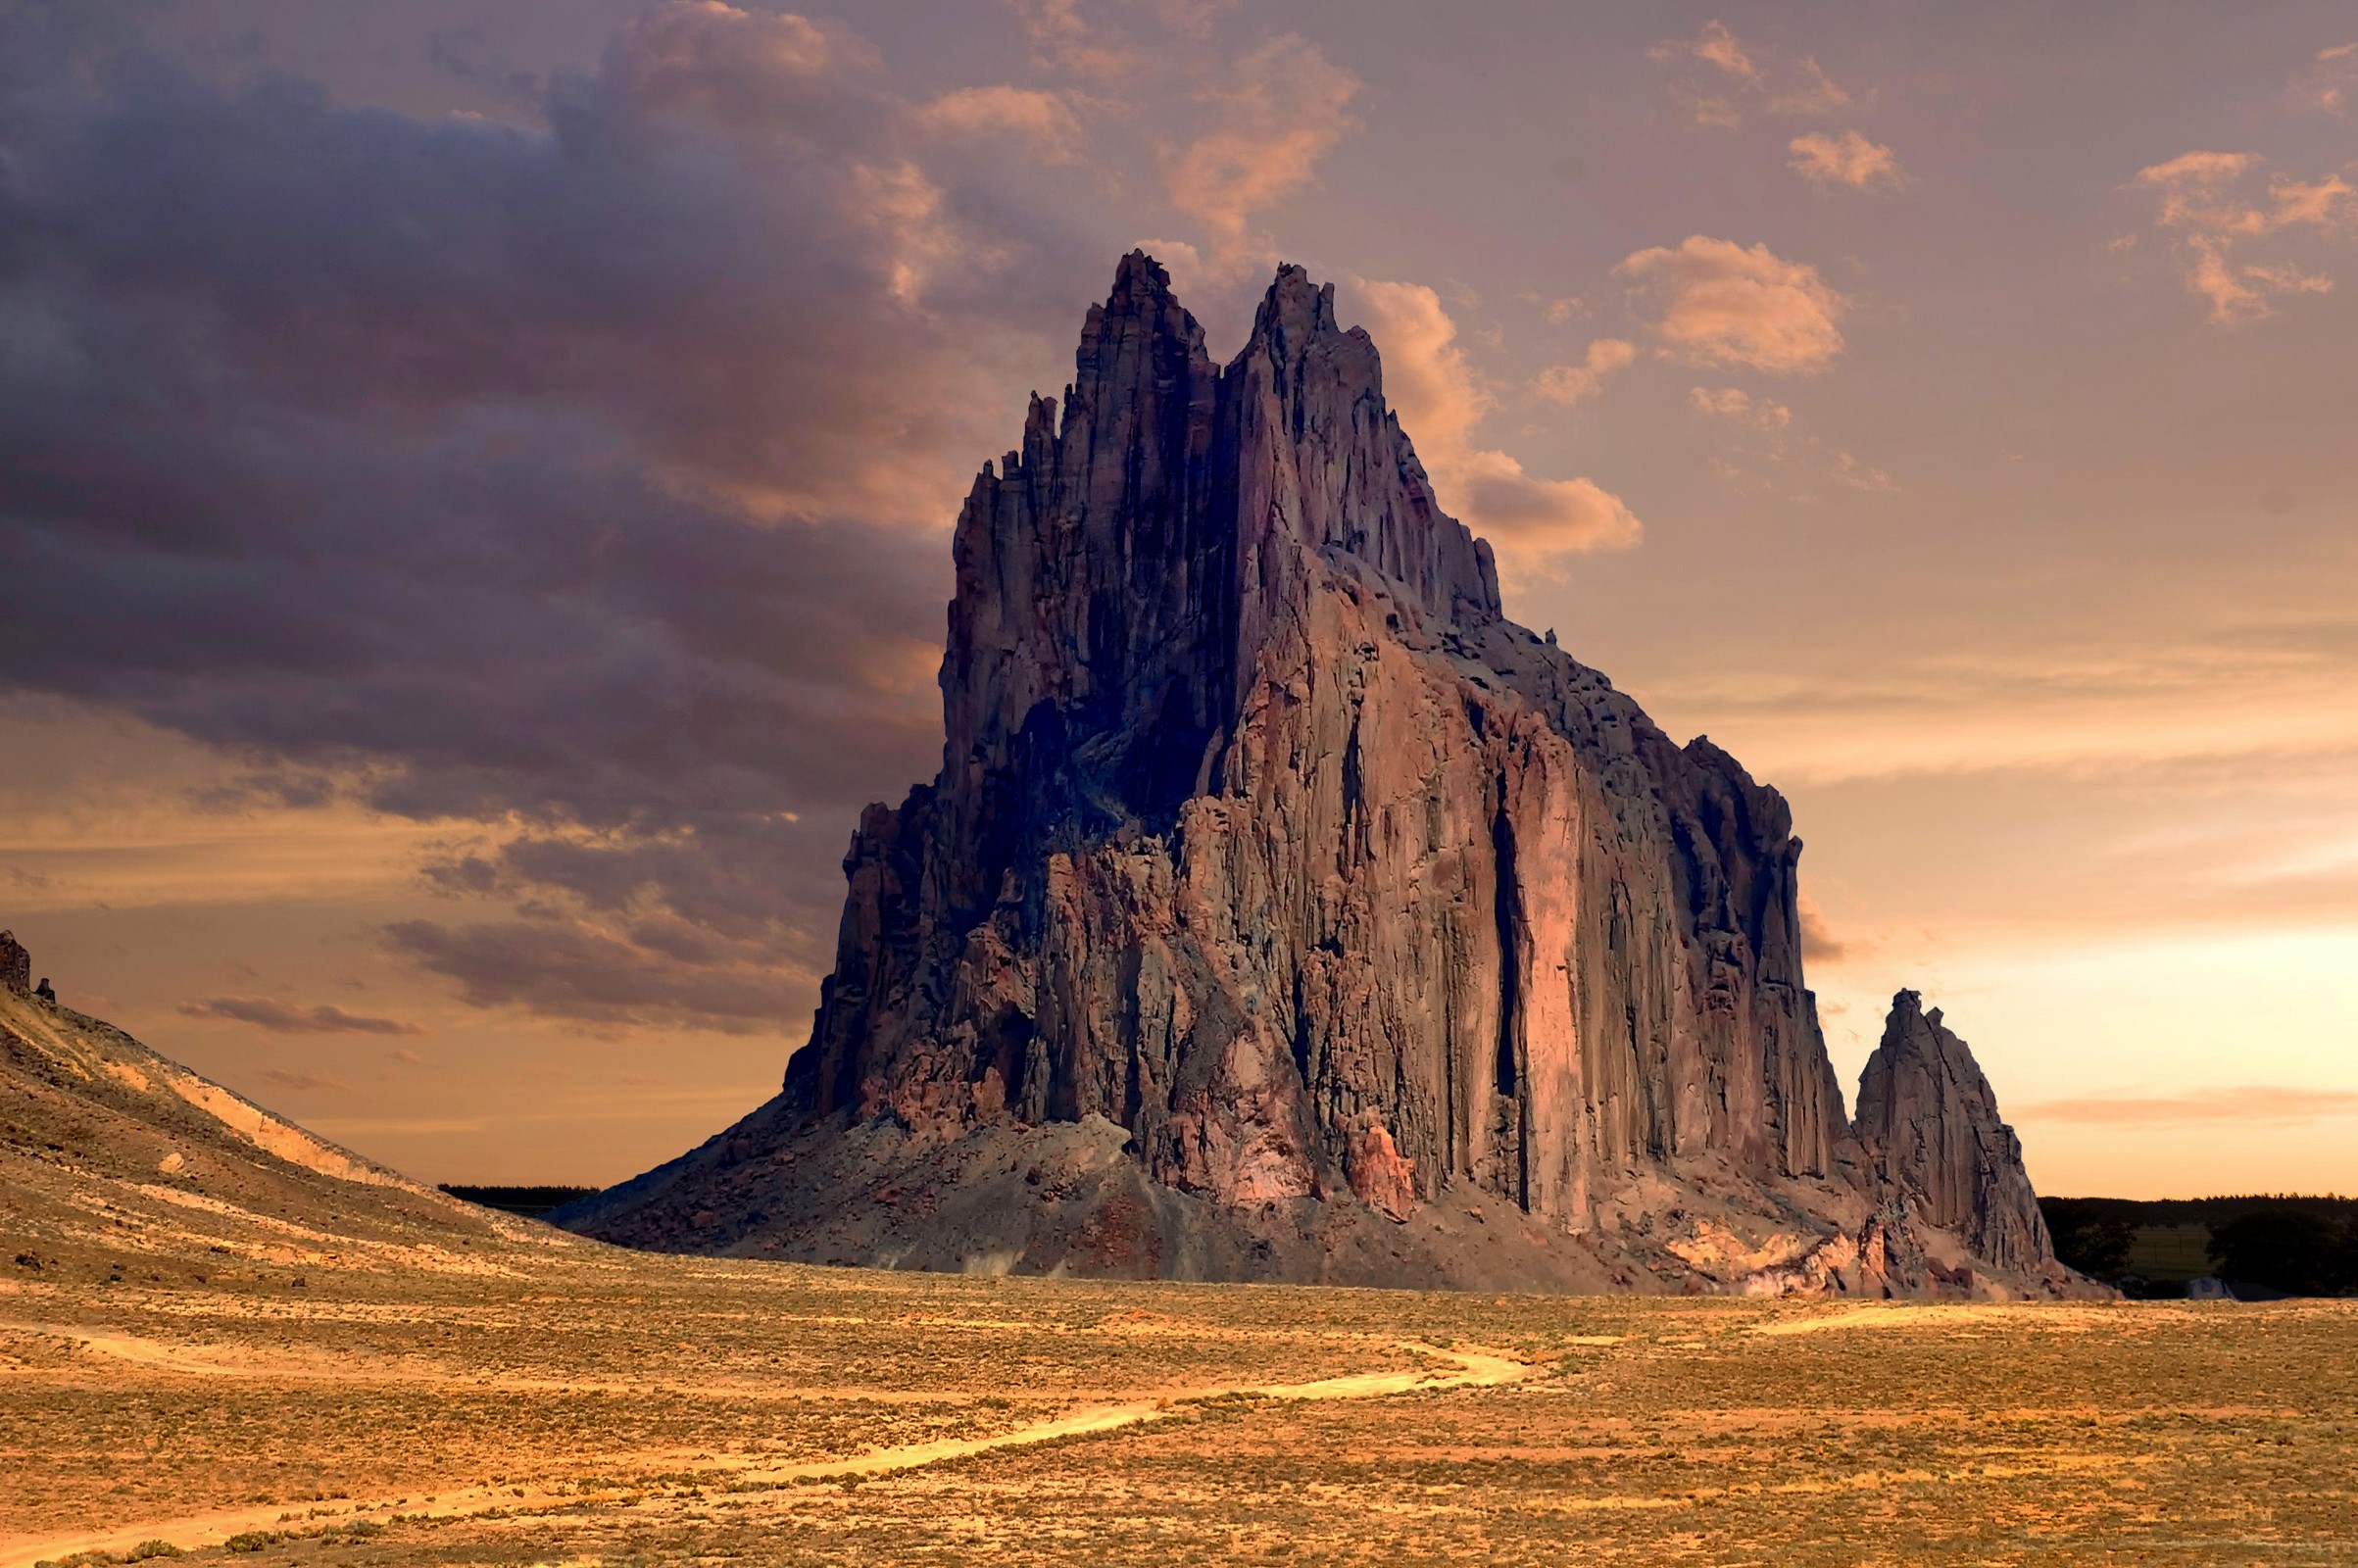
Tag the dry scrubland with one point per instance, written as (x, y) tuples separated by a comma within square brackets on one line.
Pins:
[(602, 1407), (219, 1335)]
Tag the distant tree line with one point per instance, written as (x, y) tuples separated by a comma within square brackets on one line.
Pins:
[(2299, 1245), (529, 1202)]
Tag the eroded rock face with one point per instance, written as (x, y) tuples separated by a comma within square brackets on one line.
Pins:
[(1928, 1123), (1263, 838)]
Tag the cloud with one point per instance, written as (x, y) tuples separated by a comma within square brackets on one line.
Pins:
[(1779, 459), (741, 70), (2197, 195), (2266, 1105), (1848, 470), (1714, 46), (581, 970), (1735, 403), (2205, 198), (302, 1082), (1570, 384), (1282, 108), (1727, 304), (280, 1019), (1819, 943), (1850, 159), (1064, 39), (2330, 82), (1717, 78), (1534, 523), (1043, 119), (583, 479)]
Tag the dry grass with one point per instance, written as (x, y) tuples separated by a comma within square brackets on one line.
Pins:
[(622, 1409)]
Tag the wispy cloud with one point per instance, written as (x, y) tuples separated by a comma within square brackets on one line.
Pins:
[(301, 1081), (1281, 110), (1764, 415), (2330, 82), (2208, 200), (2257, 1104), (280, 1019), (1849, 471), (1717, 78), (1848, 158)]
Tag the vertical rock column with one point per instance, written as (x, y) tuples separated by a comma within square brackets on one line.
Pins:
[(1929, 1122)]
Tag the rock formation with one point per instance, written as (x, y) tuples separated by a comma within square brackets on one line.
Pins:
[(16, 965), (1282, 910), (1929, 1126)]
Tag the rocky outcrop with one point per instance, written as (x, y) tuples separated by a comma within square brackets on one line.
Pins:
[(16, 965), (1929, 1125), (1379, 939)]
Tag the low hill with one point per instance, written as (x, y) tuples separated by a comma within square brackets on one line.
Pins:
[(117, 1162)]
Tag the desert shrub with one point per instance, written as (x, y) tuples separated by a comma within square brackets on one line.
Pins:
[(248, 1541), (154, 1548), (2295, 1250)]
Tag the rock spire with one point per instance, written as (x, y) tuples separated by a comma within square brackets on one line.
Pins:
[(1928, 1123), (1282, 910), (15, 964)]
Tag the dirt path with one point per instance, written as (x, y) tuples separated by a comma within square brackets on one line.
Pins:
[(1476, 1370)]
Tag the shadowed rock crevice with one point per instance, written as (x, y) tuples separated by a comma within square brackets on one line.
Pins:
[(1282, 911)]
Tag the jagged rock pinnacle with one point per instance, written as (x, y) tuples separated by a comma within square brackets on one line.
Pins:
[(1930, 1122), (1281, 911)]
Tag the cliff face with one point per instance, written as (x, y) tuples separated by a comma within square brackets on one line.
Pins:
[(1282, 910)]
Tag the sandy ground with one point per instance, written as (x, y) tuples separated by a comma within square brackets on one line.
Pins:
[(628, 1409)]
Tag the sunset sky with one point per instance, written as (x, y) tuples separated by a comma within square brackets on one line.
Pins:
[(476, 485)]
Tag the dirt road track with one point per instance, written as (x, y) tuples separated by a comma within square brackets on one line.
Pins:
[(1475, 1370)]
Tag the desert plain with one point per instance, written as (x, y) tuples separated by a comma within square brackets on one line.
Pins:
[(553, 1402)]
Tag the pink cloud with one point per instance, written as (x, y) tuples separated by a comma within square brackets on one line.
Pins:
[(1043, 119), (2204, 197), (1720, 77), (1569, 384), (1532, 523), (1848, 158), (1735, 403), (1725, 304), (1283, 107), (2263, 1104)]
